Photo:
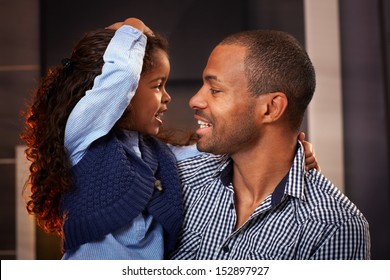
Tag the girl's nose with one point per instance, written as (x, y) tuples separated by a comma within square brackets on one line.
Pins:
[(166, 98)]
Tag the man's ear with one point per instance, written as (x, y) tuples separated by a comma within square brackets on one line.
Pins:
[(275, 106)]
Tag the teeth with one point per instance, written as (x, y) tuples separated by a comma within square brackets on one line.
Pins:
[(159, 115), (203, 124)]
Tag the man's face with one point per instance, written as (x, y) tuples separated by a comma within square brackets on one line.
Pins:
[(223, 107)]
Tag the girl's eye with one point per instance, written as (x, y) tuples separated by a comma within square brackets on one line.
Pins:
[(158, 87)]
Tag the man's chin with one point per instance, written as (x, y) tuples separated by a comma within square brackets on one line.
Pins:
[(201, 147), (207, 148)]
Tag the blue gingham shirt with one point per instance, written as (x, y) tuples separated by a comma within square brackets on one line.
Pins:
[(306, 217)]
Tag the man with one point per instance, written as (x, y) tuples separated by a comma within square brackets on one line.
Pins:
[(253, 198)]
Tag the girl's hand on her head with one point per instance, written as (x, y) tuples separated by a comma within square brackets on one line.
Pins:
[(134, 22), (115, 26), (310, 158)]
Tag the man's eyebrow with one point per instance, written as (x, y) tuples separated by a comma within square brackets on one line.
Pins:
[(211, 78)]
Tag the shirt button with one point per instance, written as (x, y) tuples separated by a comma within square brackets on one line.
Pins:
[(158, 185), (226, 249)]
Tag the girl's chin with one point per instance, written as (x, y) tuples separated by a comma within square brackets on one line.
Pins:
[(151, 130), (154, 132)]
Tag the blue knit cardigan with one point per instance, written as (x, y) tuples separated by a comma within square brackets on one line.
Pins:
[(113, 186)]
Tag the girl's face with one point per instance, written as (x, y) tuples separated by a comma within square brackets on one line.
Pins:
[(151, 99)]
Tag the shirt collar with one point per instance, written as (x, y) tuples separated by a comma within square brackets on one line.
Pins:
[(296, 179), (226, 171), (292, 184), (130, 140), (278, 193)]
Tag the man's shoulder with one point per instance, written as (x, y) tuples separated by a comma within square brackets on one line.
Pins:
[(325, 197)]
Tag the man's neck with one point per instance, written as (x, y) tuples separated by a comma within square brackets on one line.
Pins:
[(257, 172)]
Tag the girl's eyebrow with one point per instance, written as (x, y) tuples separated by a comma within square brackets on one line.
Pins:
[(163, 78)]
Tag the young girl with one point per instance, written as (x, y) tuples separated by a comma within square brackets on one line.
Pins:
[(110, 191)]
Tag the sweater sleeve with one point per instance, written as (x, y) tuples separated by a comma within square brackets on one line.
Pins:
[(97, 112)]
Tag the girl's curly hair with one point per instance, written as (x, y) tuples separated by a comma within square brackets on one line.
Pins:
[(45, 119)]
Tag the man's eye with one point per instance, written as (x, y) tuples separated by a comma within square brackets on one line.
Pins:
[(214, 91)]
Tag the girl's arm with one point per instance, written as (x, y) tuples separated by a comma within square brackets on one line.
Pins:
[(97, 112)]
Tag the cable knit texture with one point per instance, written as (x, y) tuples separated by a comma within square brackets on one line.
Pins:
[(113, 186)]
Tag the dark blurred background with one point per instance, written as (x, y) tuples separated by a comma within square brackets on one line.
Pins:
[(35, 35)]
